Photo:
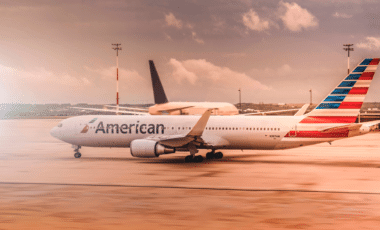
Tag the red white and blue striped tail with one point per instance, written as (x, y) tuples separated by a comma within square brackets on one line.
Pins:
[(343, 104)]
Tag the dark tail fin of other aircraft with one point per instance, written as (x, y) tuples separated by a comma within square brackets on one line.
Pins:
[(158, 90)]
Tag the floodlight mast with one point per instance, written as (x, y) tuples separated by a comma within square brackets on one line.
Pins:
[(117, 48), (348, 49), (241, 111)]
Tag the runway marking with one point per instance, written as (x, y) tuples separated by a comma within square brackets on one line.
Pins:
[(195, 188)]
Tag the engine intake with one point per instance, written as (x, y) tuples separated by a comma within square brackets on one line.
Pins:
[(148, 149)]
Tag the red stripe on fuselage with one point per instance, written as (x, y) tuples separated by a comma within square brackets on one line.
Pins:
[(374, 61), (366, 76), (317, 134), (359, 90), (328, 119), (350, 105)]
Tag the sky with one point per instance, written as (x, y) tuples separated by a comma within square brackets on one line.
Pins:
[(274, 51)]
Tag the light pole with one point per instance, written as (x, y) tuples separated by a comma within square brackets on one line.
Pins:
[(348, 49), (240, 100), (311, 96), (117, 48)]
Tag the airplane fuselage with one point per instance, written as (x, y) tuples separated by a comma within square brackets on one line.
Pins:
[(221, 132)]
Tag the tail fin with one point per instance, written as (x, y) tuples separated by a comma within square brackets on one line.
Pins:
[(158, 90), (343, 104)]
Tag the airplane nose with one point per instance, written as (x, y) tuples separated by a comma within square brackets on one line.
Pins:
[(53, 132)]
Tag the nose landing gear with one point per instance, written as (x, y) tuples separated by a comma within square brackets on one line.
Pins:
[(77, 154)]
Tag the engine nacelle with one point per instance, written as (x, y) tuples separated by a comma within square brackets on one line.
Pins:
[(148, 149)]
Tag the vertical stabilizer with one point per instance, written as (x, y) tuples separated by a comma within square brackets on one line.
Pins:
[(158, 90), (343, 104)]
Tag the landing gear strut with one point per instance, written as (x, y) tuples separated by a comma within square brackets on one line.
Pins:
[(192, 157), (77, 154)]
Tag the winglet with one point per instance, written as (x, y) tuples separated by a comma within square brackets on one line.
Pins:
[(158, 90), (198, 128), (302, 110)]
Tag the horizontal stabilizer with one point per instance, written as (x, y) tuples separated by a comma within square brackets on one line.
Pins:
[(342, 128)]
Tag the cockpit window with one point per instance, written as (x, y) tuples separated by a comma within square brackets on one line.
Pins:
[(59, 125)]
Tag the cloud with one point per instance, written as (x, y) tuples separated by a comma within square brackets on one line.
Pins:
[(181, 73), (341, 15), (295, 17), (253, 22), (130, 81), (372, 43), (41, 85), (203, 73), (171, 20), (195, 38), (200, 80)]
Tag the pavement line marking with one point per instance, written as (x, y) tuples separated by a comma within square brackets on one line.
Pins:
[(194, 188)]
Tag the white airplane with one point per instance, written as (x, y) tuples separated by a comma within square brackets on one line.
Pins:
[(151, 136), (162, 105)]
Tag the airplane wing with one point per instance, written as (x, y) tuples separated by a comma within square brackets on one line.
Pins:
[(130, 108), (174, 109), (268, 112), (193, 137), (302, 110), (112, 111)]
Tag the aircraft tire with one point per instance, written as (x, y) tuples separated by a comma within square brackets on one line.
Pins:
[(77, 155), (210, 155), (189, 159), (219, 155), (198, 159)]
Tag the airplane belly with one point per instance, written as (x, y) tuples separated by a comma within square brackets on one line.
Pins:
[(254, 141), (102, 140)]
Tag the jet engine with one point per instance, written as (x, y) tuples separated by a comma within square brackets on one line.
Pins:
[(148, 148)]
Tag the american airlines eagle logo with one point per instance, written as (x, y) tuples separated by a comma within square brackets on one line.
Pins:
[(86, 128)]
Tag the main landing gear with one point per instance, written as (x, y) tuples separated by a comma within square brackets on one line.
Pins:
[(77, 154), (213, 154), (199, 158), (192, 158)]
